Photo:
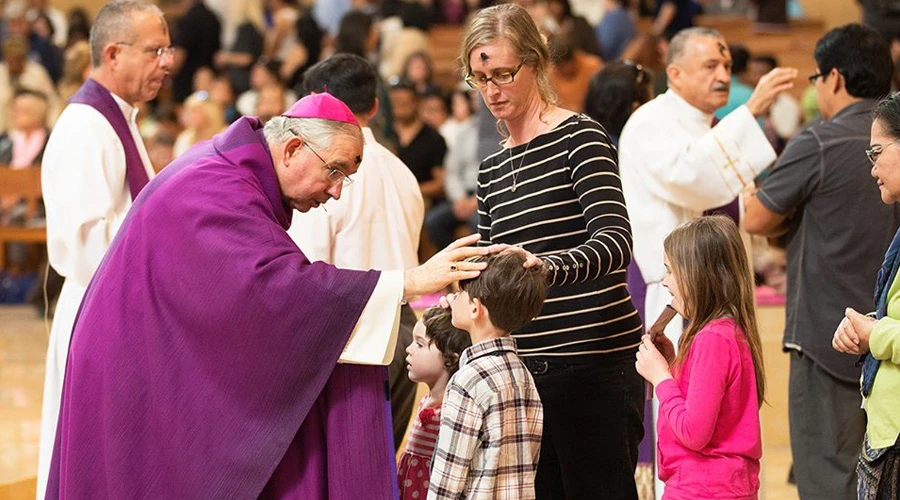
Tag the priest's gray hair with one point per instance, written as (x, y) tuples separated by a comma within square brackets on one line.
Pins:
[(114, 24), (316, 131), (679, 43)]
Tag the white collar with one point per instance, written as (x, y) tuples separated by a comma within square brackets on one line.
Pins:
[(368, 136), (687, 110), (128, 110)]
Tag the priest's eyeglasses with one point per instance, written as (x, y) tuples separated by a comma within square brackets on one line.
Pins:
[(875, 151), (480, 82), (157, 52), (334, 175)]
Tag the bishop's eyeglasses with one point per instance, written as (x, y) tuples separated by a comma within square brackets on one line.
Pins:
[(335, 175)]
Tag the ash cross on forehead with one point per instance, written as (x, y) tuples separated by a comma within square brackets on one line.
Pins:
[(722, 48), (484, 57)]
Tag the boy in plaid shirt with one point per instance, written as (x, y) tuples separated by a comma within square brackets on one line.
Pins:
[(492, 418)]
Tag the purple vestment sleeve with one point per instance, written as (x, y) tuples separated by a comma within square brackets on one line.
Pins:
[(204, 340), (98, 97)]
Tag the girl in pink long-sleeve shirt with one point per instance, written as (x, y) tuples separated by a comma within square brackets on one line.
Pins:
[(710, 394)]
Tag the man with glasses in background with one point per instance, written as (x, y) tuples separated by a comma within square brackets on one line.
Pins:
[(820, 198), (94, 166)]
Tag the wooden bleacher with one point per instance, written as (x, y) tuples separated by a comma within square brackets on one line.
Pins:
[(444, 44), (25, 183), (793, 47)]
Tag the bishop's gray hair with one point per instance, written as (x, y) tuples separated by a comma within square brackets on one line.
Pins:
[(679, 42), (114, 24), (318, 132)]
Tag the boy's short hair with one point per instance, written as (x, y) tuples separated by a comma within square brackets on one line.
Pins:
[(512, 293), (448, 339)]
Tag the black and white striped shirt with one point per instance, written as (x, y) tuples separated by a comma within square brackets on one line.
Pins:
[(567, 208)]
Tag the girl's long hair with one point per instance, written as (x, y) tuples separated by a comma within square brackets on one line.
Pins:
[(713, 274)]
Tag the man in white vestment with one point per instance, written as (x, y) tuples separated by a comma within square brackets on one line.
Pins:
[(85, 186), (675, 164), (377, 222)]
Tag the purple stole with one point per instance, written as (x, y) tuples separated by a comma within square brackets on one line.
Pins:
[(98, 97)]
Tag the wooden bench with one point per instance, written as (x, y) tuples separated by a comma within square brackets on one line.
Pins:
[(444, 44), (25, 183)]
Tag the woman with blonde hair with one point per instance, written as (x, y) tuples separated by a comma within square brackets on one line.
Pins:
[(553, 190), (202, 119)]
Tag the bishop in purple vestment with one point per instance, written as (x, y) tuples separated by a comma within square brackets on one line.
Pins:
[(201, 361)]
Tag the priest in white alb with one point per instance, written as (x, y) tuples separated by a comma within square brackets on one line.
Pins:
[(94, 166), (675, 164)]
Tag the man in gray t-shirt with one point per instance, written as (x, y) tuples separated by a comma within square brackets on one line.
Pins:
[(821, 197)]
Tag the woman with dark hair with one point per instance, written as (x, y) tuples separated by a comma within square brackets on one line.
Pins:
[(648, 51), (280, 39), (79, 28), (419, 70), (580, 29), (357, 35), (614, 93), (310, 35), (236, 61), (878, 338)]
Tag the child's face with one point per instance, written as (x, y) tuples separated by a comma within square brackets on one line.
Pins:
[(423, 359), (671, 284), (459, 303)]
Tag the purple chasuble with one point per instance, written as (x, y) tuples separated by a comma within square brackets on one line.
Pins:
[(203, 359), (98, 97)]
